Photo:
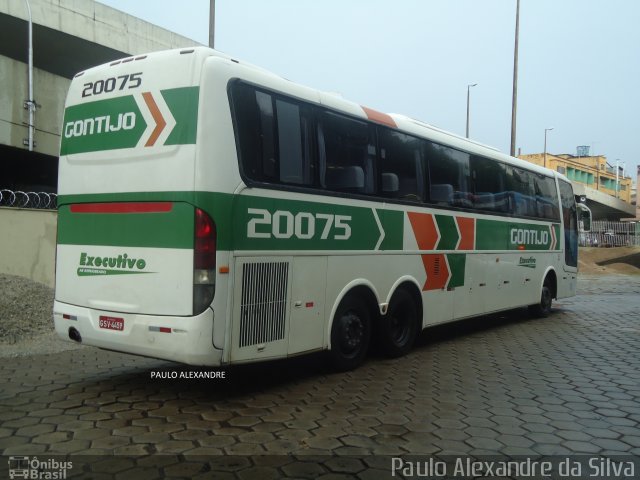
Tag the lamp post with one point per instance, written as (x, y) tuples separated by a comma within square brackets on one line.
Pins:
[(514, 98), (30, 104), (468, 97), (617, 170), (212, 22), (545, 145)]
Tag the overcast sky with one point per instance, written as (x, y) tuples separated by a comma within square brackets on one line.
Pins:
[(579, 61)]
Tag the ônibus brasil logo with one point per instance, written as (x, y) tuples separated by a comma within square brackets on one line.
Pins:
[(120, 265)]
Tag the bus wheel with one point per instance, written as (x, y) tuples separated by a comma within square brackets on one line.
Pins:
[(543, 309), (350, 334), (398, 328)]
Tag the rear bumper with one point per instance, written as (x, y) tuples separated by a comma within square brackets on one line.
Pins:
[(180, 339)]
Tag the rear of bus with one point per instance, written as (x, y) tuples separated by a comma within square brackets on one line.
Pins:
[(136, 249)]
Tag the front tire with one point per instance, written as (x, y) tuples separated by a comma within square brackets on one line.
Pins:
[(398, 329), (543, 309), (350, 334)]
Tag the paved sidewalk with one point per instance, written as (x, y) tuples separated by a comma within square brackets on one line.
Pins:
[(501, 385)]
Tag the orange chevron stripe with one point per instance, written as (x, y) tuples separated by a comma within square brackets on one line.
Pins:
[(437, 271), (157, 116), (379, 117), (467, 227), (424, 228)]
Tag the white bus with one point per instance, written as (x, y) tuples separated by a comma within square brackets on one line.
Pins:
[(212, 213)]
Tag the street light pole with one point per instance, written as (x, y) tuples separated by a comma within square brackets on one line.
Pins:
[(545, 145), (30, 104), (212, 22), (468, 97), (514, 99), (617, 170)]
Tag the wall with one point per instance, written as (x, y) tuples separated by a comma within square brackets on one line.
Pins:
[(28, 243), (68, 36), (49, 92), (99, 24)]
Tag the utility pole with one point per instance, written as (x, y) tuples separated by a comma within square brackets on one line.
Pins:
[(468, 98), (212, 22), (617, 170), (30, 104), (514, 100), (545, 145)]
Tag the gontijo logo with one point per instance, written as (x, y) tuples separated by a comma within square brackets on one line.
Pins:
[(529, 237), (97, 125), (534, 236), (145, 119), (120, 265)]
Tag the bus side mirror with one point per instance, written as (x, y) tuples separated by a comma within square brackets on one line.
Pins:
[(584, 216)]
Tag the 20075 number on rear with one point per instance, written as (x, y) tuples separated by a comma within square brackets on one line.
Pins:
[(133, 80)]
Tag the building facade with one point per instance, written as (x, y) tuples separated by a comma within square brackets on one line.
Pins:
[(67, 37), (592, 171)]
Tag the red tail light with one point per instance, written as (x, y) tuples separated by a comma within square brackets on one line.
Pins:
[(205, 242), (204, 262)]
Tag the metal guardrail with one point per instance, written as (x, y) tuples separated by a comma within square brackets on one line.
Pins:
[(611, 234), (20, 199)]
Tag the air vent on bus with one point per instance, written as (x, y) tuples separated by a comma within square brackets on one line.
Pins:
[(264, 302), (436, 266)]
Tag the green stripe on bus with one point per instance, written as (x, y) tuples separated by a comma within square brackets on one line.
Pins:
[(448, 232), (261, 223), (290, 229), (118, 123), (393, 225), (183, 104), (457, 264), (509, 235), (102, 125), (172, 229)]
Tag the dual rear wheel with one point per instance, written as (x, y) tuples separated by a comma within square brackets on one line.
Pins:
[(353, 328)]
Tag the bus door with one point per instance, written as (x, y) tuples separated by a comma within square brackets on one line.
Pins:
[(570, 226), (567, 284)]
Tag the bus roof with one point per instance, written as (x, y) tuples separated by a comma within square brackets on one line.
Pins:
[(335, 101)]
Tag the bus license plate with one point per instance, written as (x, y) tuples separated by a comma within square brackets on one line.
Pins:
[(111, 323)]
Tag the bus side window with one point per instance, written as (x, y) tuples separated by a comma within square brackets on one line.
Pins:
[(255, 130), (546, 197), (273, 137), (449, 176), (267, 135), (293, 139), (521, 189), (488, 185), (347, 154), (401, 166), (249, 125)]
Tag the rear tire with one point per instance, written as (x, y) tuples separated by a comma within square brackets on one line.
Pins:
[(543, 309), (397, 330), (350, 334)]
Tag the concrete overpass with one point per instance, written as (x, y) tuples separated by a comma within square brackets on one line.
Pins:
[(68, 37), (602, 205)]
